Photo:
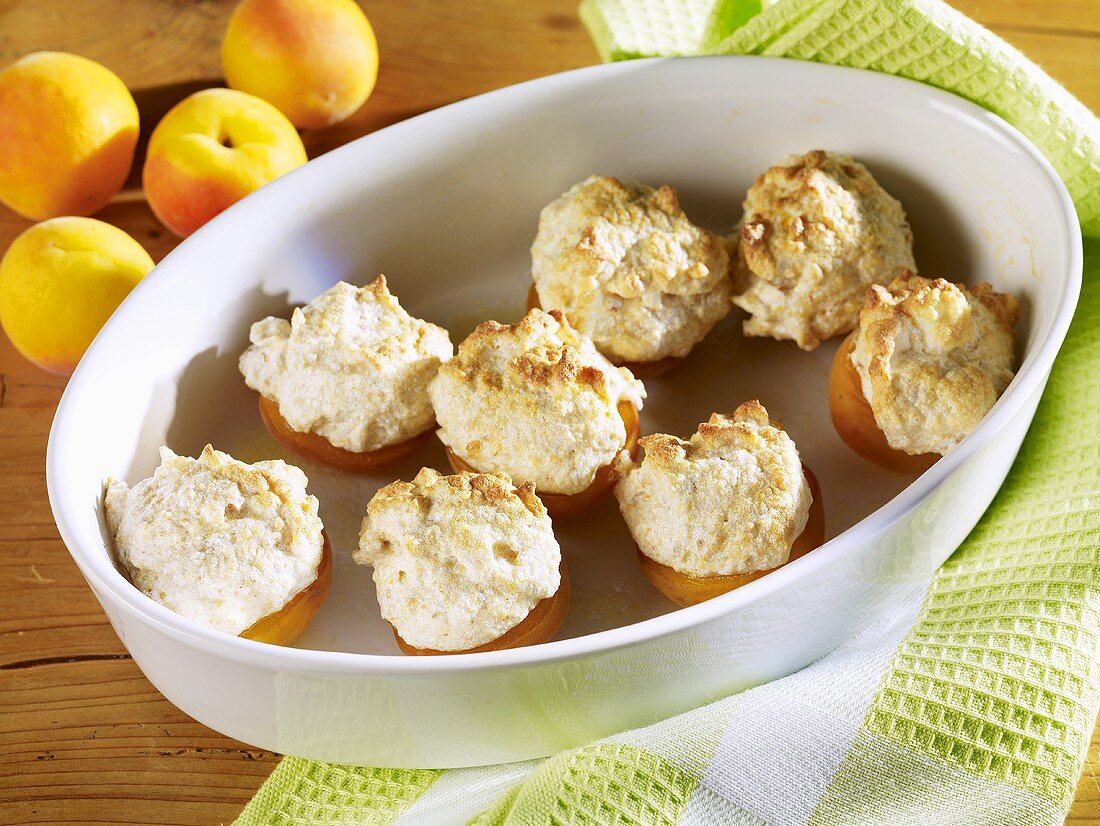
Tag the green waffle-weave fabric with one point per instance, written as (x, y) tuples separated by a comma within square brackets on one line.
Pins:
[(974, 701)]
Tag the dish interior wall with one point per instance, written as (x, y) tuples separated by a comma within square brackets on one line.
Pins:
[(448, 214)]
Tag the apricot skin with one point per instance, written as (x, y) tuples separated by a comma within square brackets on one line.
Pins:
[(855, 421), (60, 280), (316, 61), (68, 128), (212, 149)]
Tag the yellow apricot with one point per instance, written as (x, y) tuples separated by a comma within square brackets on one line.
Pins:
[(60, 280), (314, 60), (211, 150), (68, 127)]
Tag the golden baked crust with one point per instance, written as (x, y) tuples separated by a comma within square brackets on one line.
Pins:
[(932, 358), (629, 270), (492, 489), (458, 560), (817, 229), (218, 541), (732, 500), (351, 366), (533, 400)]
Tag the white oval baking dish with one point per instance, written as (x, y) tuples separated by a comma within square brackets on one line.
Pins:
[(446, 205)]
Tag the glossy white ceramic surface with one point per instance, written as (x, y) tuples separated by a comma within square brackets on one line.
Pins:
[(446, 205)]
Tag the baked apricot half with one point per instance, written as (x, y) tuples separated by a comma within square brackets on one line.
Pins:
[(538, 626), (855, 421), (287, 624), (640, 369), (562, 506), (685, 589), (320, 450)]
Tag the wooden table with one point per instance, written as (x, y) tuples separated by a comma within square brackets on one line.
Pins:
[(84, 738)]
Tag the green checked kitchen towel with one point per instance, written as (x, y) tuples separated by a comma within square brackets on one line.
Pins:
[(974, 702)]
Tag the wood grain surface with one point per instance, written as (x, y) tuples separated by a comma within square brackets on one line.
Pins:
[(84, 738)]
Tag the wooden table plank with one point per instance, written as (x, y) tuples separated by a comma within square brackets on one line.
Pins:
[(84, 738), (1078, 17)]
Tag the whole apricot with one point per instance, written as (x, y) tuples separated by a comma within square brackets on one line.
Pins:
[(60, 280), (68, 127), (211, 150), (315, 60)]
